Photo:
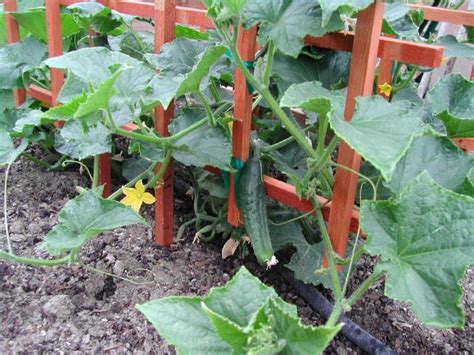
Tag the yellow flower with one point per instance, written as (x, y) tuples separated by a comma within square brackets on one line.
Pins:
[(385, 89), (134, 197)]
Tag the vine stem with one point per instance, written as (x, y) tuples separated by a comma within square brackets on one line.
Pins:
[(164, 166), (269, 64), (266, 94), (174, 137), (359, 292), (132, 182), (95, 177), (10, 257), (207, 108), (5, 206), (333, 273), (36, 160)]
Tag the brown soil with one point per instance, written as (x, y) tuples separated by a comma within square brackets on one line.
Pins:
[(75, 309)]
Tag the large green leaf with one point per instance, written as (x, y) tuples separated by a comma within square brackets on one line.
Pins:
[(91, 65), (425, 242), (8, 151), (329, 7), (99, 99), (179, 75), (6, 99), (298, 338), (183, 323), (98, 17), (379, 131), (331, 69), (17, 57), (452, 100), (291, 161), (73, 141), (208, 325), (65, 112), (84, 217), (454, 49), (35, 22), (287, 22), (134, 44), (203, 146), (398, 22), (72, 87), (247, 294), (445, 163), (310, 96)]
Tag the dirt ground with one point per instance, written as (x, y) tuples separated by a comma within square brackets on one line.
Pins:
[(77, 310)]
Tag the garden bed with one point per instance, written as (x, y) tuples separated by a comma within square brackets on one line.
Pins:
[(74, 309)]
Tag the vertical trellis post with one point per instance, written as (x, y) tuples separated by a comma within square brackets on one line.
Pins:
[(165, 18), (361, 78), (13, 35), (242, 116), (55, 44)]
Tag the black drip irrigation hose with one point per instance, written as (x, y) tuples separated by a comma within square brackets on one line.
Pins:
[(351, 330)]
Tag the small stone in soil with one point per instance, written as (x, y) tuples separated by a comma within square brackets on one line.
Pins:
[(59, 306)]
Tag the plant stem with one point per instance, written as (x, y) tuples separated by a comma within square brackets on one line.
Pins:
[(36, 160), (132, 182), (174, 137), (5, 206), (266, 94), (138, 136), (322, 130), (359, 292), (269, 64), (32, 261), (336, 283), (163, 167), (210, 116), (95, 177), (67, 162), (281, 144)]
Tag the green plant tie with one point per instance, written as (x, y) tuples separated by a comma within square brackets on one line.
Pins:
[(249, 64), (237, 164)]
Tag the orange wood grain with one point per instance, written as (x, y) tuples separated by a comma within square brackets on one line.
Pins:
[(361, 78), (55, 44), (242, 116), (41, 94), (165, 17), (13, 35), (439, 14), (396, 49)]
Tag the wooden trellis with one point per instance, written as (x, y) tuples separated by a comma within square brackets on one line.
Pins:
[(366, 45)]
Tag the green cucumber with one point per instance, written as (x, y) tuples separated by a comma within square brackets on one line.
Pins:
[(254, 210)]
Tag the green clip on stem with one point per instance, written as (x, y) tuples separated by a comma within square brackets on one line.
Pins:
[(249, 64)]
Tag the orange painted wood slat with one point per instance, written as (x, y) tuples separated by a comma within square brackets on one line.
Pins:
[(285, 193), (361, 78), (439, 14), (465, 143), (41, 94), (164, 16), (397, 50), (105, 173), (242, 115), (13, 35), (55, 44)]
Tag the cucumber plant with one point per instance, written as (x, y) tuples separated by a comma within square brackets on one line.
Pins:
[(416, 190)]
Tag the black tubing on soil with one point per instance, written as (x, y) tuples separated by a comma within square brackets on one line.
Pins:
[(351, 330)]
